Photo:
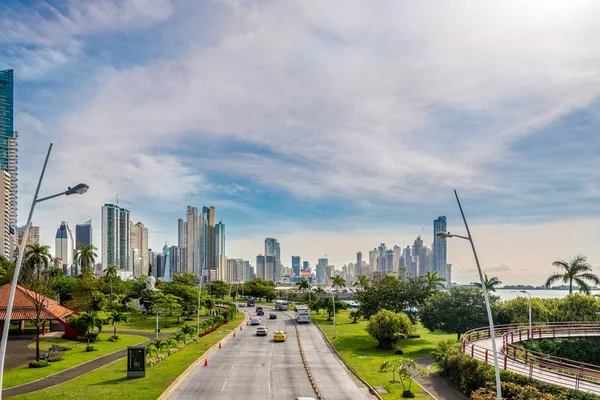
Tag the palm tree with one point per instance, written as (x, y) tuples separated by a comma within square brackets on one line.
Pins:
[(86, 256), (319, 290), (160, 344), (87, 322), (303, 284), (110, 272), (114, 317), (490, 284), (37, 256), (577, 270), (434, 281), (180, 337), (338, 281), (362, 282), (188, 330)]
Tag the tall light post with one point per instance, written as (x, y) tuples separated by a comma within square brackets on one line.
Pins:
[(530, 306), (78, 189), (156, 308), (199, 306), (444, 235)]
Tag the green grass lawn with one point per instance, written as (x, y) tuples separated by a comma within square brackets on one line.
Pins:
[(111, 382), (147, 323), (358, 349), (75, 356)]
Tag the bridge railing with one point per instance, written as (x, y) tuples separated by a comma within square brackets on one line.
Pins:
[(514, 333)]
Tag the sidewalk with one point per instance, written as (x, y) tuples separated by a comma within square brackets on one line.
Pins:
[(437, 386), (76, 371)]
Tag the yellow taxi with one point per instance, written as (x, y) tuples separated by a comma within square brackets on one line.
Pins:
[(279, 336)]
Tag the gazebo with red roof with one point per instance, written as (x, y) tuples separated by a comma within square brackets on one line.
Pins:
[(24, 307)]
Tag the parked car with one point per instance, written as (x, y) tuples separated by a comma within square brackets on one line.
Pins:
[(279, 336), (261, 331), (272, 316)]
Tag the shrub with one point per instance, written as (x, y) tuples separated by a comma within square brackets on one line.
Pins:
[(55, 356), (90, 348), (113, 338), (408, 394), (93, 337), (38, 364), (388, 327)]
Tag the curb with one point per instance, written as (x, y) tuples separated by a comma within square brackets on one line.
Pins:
[(171, 390), (310, 379), (332, 347)]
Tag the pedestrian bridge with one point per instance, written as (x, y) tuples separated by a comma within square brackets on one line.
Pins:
[(542, 367)]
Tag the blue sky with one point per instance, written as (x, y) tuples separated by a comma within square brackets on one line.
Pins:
[(332, 129)]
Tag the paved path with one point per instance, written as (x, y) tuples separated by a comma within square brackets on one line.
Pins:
[(18, 352), (330, 375), (250, 368), (439, 387), (72, 373)]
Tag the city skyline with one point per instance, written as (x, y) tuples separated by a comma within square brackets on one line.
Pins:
[(354, 155)]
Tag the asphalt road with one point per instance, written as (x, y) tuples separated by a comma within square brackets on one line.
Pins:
[(249, 367)]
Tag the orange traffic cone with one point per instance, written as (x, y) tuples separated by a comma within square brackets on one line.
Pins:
[(219, 344), (206, 362)]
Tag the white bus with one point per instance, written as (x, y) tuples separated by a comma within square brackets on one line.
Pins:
[(281, 305), (303, 313)]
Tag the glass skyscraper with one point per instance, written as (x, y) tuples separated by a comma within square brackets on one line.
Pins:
[(296, 265), (439, 247)]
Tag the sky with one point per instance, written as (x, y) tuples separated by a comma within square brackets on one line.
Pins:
[(330, 128)]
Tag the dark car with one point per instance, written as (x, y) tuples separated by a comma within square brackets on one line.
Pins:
[(258, 308), (272, 316), (260, 312)]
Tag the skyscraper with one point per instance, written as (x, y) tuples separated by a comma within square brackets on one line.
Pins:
[(64, 246), (176, 260), (182, 240), (272, 248), (32, 238), (193, 240), (296, 265), (124, 239), (358, 266), (141, 243), (305, 265), (219, 252), (83, 233), (207, 255), (321, 265), (260, 267), (440, 257), (272, 270), (8, 150), (6, 244), (110, 235), (381, 257)]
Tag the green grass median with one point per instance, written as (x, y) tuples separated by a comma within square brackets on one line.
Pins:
[(358, 350), (77, 355), (111, 382)]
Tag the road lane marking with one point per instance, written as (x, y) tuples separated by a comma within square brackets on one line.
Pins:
[(232, 367), (223, 388)]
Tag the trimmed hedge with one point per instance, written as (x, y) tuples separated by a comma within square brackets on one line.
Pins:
[(38, 364)]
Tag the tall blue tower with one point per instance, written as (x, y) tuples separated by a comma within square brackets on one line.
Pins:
[(6, 115)]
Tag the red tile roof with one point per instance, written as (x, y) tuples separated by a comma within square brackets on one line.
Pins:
[(24, 305)]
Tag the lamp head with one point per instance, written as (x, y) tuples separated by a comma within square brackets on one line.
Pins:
[(77, 189), (443, 235)]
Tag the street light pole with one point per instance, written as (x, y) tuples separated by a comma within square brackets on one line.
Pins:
[(444, 235), (199, 303), (530, 306), (78, 189)]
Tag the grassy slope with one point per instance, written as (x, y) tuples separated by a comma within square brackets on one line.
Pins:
[(75, 356), (111, 382), (357, 348)]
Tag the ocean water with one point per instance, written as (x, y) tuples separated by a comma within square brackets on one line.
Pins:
[(509, 294)]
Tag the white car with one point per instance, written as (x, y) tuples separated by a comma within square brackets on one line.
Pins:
[(261, 331), (255, 321)]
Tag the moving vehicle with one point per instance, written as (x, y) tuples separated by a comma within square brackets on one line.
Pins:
[(272, 316), (250, 302), (302, 313), (255, 321), (261, 331), (279, 336), (281, 305), (260, 312), (258, 308)]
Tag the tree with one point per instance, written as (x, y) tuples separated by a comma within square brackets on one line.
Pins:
[(186, 278), (338, 282), (362, 282), (355, 315), (577, 270), (218, 289), (110, 272), (319, 291), (172, 306), (327, 304), (86, 296), (180, 337), (37, 277), (455, 311), (388, 327), (434, 281), (187, 294), (86, 256), (86, 323), (114, 318), (404, 367), (303, 284), (490, 284), (389, 292), (188, 330), (160, 344)]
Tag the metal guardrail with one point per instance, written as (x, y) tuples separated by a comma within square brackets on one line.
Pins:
[(536, 365)]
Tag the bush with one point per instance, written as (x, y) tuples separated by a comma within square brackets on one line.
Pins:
[(113, 338), (388, 327), (39, 364), (408, 394), (90, 348), (55, 356), (93, 337), (585, 350)]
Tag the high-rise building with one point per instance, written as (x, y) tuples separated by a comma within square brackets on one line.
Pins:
[(397, 255), (32, 238), (322, 263), (8, 152), (296, 265), (193, 240), (305, 265), (373, 254), (5, 215), (381, 257), (141, 243), (260, 267), (83, 234), (357, 267), (272, 270), (219, 252), (124, 239), (389, 261), (208, 238), (64, 246), (440, 256), (182, 240), (110, 235), (176, 259), (272, 248), (166, 264)]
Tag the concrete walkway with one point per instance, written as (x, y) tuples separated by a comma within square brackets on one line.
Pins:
[(76, 371), (438, 387)]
